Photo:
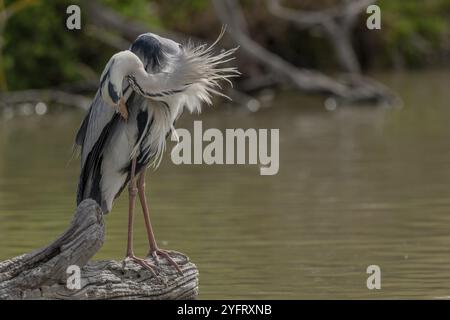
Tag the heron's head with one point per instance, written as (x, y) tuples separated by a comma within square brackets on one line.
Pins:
[(155, 51), (161, 69), (193, 70), (111, 81)]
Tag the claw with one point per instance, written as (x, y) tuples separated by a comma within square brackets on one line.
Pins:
[(143, 264), (165, 254)]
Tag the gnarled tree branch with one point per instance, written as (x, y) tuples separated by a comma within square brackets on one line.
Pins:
[(42, 274), (337, 22), (108, 19), (355, 88)]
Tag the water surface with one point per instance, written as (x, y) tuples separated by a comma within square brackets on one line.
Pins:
[(357, 186)]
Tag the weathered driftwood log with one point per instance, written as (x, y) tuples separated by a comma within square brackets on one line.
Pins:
[(42, 274)]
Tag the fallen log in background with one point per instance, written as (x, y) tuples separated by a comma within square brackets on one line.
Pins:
[(42, 274), (353, 88), (14, 98)]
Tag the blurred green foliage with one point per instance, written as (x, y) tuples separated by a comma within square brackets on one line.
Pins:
[(415, 30), (38, 50)]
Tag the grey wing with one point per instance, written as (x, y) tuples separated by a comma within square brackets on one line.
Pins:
[(95, 121), (91, 140), (98, 117), (94, 131)]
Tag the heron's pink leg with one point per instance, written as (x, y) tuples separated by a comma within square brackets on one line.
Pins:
[(154, 250), (132, 189)]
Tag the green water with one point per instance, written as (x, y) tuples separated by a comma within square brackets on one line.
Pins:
[(356, 187)]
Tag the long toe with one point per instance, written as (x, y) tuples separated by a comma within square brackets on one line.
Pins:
[(144, 264), (165, 254)]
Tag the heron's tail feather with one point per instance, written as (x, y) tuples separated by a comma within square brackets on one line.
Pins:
[(201, 71)]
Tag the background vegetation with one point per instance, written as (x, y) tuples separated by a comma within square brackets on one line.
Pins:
[(39, 52)]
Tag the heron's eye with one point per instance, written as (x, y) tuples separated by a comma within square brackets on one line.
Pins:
[(180, 46)]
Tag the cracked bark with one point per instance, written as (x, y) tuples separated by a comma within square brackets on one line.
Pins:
[(42, 274)]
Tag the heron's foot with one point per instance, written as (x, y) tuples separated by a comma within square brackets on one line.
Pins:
[(154, 253), (123, 110), (143, 263)]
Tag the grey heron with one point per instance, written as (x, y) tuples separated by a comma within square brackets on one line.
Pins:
[(142, 92)]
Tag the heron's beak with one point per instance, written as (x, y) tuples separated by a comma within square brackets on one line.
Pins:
[(123, 110)]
